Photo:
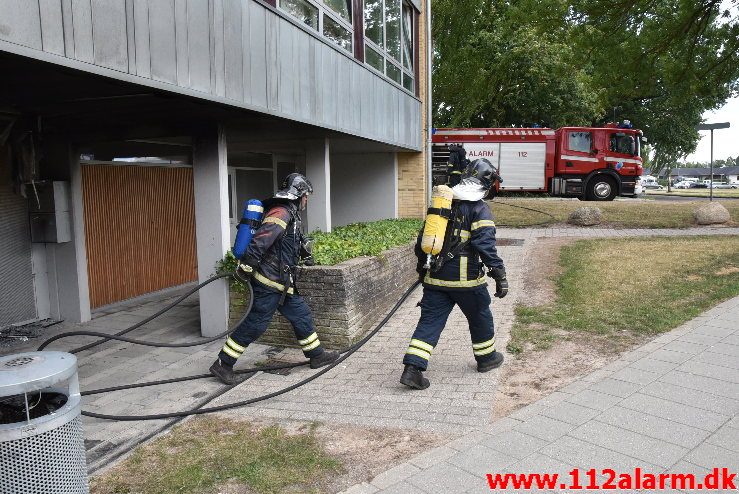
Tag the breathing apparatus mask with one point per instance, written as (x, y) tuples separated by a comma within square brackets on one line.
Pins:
[(477, 180)]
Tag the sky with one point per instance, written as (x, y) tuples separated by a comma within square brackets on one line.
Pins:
[(725, 141)]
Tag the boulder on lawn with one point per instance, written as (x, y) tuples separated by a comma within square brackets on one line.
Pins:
[(712, 213), (586, 216)]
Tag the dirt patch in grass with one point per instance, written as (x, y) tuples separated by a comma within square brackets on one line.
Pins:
[(582, 313), (727, 270), (540, 275), (217, 454), (366, 452)]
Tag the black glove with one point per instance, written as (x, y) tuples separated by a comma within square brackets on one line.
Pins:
[(501, 283), (309, 261)]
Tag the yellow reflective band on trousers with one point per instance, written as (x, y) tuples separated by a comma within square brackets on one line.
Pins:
[(418, 353), (484, 348), (315, 344), (266, 281), (482, 224), (310, 342), (453, 284), (420, 349), (310, 339), (230, 351), (422, 345), (276, 221), (462, 268), (230, 342)]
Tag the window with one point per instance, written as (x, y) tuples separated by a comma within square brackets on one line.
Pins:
[(304, 11), (623, 143), (332, 18), (389, 40), (580, 141)]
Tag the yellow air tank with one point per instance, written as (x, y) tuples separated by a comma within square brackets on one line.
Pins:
[(436, 222)]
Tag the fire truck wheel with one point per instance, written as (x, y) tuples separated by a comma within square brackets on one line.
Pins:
[(601, 188)]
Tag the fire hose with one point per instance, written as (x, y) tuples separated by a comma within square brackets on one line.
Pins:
[(200, 411)]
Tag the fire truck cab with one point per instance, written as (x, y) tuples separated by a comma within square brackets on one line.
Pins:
[(585, 162)]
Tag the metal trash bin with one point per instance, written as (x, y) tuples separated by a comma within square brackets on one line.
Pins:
[(42, 447)]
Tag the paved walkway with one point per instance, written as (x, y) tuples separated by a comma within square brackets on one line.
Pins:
[(365, 390), (671, 405)]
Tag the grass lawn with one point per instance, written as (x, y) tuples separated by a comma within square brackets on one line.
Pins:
[(620, 213), (618, 291), (205, 453)]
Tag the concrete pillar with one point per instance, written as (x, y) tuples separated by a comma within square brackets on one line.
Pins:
[(210, 177), (66, 263), (318, 171)]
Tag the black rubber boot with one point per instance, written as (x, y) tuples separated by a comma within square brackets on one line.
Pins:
[(491, 364), (223, 372), (324, 358), (413, 378)]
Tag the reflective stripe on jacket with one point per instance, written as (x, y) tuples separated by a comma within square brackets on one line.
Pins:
[(476, 229)]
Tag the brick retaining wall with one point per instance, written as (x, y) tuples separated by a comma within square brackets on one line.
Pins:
[(346, 299)]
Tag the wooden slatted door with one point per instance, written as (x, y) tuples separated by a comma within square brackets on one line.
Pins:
[(139, 230)]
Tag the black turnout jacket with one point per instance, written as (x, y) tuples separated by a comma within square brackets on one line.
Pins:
[(275, 248), (470, 238)]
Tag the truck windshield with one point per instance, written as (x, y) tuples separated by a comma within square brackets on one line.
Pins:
[(624, 143)]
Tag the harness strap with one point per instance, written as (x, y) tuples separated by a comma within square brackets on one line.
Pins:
[(443, 212)]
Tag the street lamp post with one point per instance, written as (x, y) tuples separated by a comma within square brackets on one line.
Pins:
[(711, 127)]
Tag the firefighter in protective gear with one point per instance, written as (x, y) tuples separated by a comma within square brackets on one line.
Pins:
[(458, 278), (457, 163), (271, 260)]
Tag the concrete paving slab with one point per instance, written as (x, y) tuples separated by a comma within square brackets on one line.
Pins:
[(695, 398), (586, 455), (594, 399), (653, 426), (675, 412), (545, 428), (515, 443), (649, 450), (446, 478)]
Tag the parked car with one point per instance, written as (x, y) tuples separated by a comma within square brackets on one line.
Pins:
[(726, 186), (682, 185), (652, 185), (698, 185)]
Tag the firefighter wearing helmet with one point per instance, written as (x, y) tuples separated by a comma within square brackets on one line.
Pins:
[(458, 277), (270, 261)]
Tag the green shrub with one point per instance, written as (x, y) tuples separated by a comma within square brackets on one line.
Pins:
[(228, 265), (347, 242), (362, 239)]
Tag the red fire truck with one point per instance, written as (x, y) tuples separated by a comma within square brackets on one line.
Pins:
[(589, 163)]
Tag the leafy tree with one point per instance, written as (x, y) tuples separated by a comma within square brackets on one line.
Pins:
[(661, 63), (490, 69)]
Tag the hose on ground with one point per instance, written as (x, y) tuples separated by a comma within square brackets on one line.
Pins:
[(119, 336), (547, 222), (219, 408)]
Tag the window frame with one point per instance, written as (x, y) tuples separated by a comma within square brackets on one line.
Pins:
[(570, 139), (325, 9), (387, 58)]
